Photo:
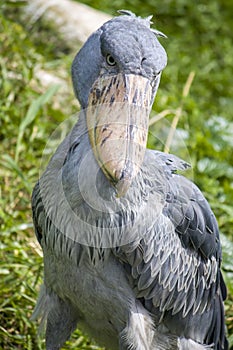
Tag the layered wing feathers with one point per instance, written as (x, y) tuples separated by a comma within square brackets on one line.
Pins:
[(175, 267)]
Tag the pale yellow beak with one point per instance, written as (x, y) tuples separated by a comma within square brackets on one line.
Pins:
[(117, 120)]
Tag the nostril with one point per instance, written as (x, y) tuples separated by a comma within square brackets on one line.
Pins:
[(143, 59)]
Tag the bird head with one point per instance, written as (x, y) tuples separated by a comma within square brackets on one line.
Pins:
[(116, 75)]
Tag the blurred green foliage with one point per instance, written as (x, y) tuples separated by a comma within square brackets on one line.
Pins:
[(199, 41)]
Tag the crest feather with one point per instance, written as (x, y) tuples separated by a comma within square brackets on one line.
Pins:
[(146, 21)]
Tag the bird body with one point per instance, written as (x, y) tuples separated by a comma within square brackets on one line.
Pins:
[(131, 248)]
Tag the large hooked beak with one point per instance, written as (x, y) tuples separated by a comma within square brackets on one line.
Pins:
[(117, 120)]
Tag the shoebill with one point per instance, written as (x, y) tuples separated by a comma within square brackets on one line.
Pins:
[(131, 247)]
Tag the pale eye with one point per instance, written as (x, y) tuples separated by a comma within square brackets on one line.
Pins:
[(110, 60)]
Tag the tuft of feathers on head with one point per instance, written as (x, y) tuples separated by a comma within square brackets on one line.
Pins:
[(146, 21), (127, 13), (158, 33)]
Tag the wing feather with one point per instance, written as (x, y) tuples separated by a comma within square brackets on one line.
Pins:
[(177, 271)]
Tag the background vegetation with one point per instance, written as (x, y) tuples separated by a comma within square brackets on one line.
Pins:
[(195, 92)]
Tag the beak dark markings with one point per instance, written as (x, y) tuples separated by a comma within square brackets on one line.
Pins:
[(106, 138), (112, 100), (131, 131), (135, 97), (98, 93), (127, 170), (114, 80)]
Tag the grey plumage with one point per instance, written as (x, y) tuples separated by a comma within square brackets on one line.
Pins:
[(136, 271)]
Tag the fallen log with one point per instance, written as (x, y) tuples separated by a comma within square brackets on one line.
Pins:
[(75, 21)]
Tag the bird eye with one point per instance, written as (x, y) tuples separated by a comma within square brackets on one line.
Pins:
[(110, 60)]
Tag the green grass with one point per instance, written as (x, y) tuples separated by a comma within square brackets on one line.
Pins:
[(199, 41)]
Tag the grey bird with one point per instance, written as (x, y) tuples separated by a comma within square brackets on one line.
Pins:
[(131, 247)]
